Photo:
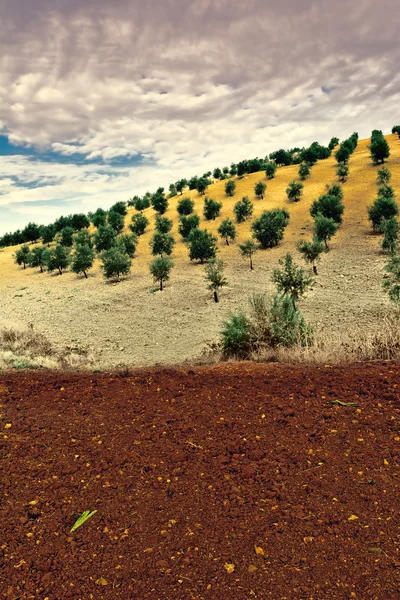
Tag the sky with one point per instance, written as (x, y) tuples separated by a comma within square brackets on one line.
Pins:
[(103, 100)]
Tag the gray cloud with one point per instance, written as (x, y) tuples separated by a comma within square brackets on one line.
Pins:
[(194, 84)]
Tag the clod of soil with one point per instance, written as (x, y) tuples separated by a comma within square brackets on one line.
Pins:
[(232, 482)]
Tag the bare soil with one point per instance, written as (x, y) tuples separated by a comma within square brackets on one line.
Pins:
[(231, 482)]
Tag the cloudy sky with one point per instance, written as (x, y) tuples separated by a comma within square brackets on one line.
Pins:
[(100, 100)]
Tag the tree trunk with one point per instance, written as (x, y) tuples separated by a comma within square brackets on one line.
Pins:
[(251, 264), (84, 272), (24, 266), (227, 241), (161, 288), (59, 270), (326, 244), (41, 269), (315, 269), (216, 296)]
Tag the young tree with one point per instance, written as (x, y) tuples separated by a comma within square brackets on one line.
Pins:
[(58, 258), (259, 189), (163, 224), (243, 209), (142, 203), (83, 238), (384, 176), (379, 149), (98, 218), (38, 257), (202, 185), (160, 268), (83, 259), (382, 208), (202, 245), (159, 202), (211, 209), (291, 280), (162, 243), (391, 284), (104, 238), (23, 255), (116, 221), (247, 250), (227, 230), (47, 234), (311, 252), (185, 206), (328, 206), (180, 185), (304, 171), (268, 229), (294, 191), (270, 170), (187, 223), (390, 228), (127, 244), (119, 207), (342, 172), (230, 188), (115, 263), (215, 276), (138, 224), (325, 228), (31, 233)]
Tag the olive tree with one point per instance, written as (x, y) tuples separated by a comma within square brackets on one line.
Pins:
[(227, 230), (259, 189), (115, 263), (215, 276), (311, 252), (342, 172), (202, 245), (38, 257), (58, 258), (383, 176), (160, 269), (139, 223), (82, 259), (294, 191), (187, 224), (268, 229), (162, 243), (230, 188), (304, 171), (270, 170), (325, 228), (185, 206), (291, 280), (22, 256), (382, 208), (247, 250), (211, 209), (243, 209)]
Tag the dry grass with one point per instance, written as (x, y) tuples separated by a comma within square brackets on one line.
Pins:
[(29, 349)]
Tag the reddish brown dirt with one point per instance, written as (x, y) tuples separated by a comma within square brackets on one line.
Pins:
[(191, 471)]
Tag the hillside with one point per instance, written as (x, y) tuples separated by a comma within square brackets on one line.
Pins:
[(126, 324)]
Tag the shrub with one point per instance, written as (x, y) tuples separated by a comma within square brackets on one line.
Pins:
[(230, 188), (211, 209), (236, 336), (259, 189), (215, 276), (291, 280), (38, 257), (163, 224), (391, 284), (243, 209), (304, 171), (390, 228), (104, 238), (311, 251), (138, 224), (269, 228), (127, 244), (382, 208), (160, 269), (247, 250), (162, 243), (270, 170), (294, 191), (384, 176), (342, 172), (82, 260), (187, 224), (58, 258), (386, 191), (202, 245), (328, 206), (115, 221), (185, 206), (115, 263), (227, 230), (22, 256), (325, 228)]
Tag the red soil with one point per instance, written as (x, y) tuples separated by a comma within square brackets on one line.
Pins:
[(194, 471)]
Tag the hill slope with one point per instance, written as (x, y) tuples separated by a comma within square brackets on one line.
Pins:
[(125, 324)]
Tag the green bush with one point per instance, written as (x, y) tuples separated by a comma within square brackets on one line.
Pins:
[(268, 229), (185, 206), (291, 280), (382, 208), (259, 189), (270, 170), (384, 176), (230, 188), (294, 191), (390, 228), (127, 244), (104, 238), (304, 171), (115, 263), (115, 221)]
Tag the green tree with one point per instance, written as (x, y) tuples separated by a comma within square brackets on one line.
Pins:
[(390, 228), (259, 189), (180, 185), (172, 190), (67, 237), (384, 176), (79, 221), (215, 276), (116, 221), (211, 209), (325, 228), (217, 173), (83, 259), (38, 257), (185, 206), (104, 238), (202, 185), (31, 233), (47, 234), (119, 207), (23, 255), (83, 238), (243, 209), (159, 202), (227, 230), (58, 258), (230, 188), (115, 263), (247, 250), (187, 223), (386, 191), (270, 170), (304, 171), (139, 223), (335, 189), (311, 252), (328, 206), (291, 280), (160, 269), (391, 283), (232, 171), (163, 224), (342, 155), (396, 129), (294, 191), (127, 244), (98, 218), (269, 228), (142, 203), (162, 243), (382, 208), (202, 245), (333, 143), (342, 172), (379, 149)]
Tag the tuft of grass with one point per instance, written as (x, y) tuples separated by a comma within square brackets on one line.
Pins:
[(82, 519)]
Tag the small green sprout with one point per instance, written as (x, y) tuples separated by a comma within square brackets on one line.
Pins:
[(81, 520)]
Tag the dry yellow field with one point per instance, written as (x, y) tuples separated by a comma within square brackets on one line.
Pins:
[(126, 324)]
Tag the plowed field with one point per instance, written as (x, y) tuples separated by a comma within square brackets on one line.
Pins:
[(233, 482)]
